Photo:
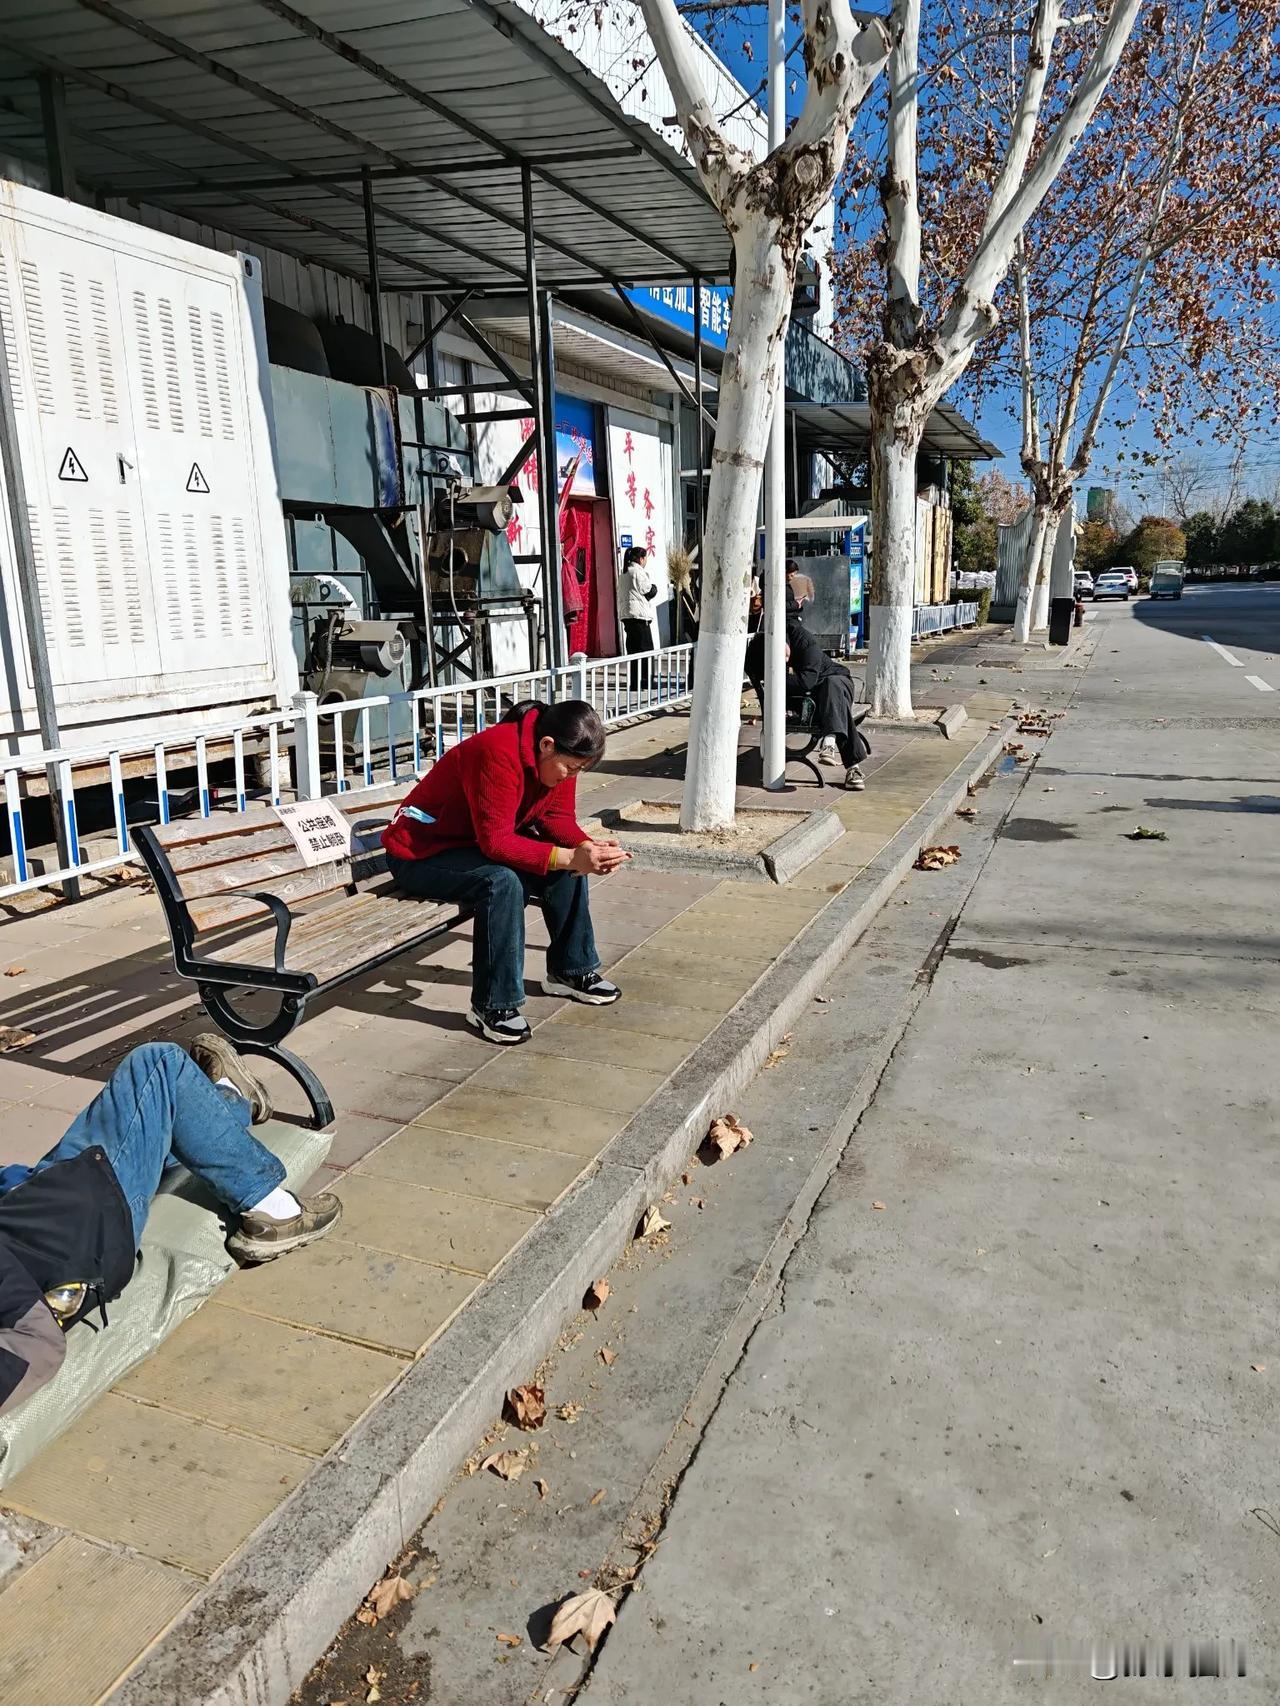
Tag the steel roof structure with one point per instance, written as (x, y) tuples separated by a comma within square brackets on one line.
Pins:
[(838, 428), (461, 122)]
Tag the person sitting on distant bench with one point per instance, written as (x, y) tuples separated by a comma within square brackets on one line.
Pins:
[(70, 1226), (812, 674), (492, 826)]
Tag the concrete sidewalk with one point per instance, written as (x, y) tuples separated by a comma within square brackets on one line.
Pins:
[(449, 1157)]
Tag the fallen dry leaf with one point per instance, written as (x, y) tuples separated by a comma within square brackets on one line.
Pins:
[(967, 811), (12, 1038), (587, 1614), (15, 971), (775, 1056), (1258, 1367), (569, 1412), (697, 1202), (1141, 834), (608, 1357), (543, 1488), (937, 858), (653, 1223), (511, 1640), (390, 1592), (597, 1293), (508, 1465), (728, 1134), (754, 1665), (597, 1498), (971, 788), (526, 1406), (877, 1205), (367, 1616)]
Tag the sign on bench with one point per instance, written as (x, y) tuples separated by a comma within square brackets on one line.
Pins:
[(320, 832)]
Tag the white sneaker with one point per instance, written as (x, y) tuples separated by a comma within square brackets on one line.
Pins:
[(854, 779), (826, 753)]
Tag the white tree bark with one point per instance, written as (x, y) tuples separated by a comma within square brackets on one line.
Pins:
[(1044, 574), (1029, 577), (767, 208), (894, 448)]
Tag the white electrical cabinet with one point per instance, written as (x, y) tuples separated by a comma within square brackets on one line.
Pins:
[(150, 486)]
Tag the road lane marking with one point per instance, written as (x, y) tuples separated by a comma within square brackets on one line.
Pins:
[(1260, 684), (1221, 651)]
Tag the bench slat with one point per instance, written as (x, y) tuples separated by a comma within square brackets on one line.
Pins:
[(229, 907), (345, 934), (224, 824), (228, 849)]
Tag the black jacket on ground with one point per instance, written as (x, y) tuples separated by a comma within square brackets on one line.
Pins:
[(67, 1223)]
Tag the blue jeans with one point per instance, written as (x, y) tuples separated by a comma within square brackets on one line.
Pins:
[(158, 1108), (499, 896)]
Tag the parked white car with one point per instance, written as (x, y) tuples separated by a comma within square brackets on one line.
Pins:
[(1114, 584), (1131, 575)]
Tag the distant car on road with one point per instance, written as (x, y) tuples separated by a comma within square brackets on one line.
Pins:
[(1083, 584), (1131, 575), (1114, 584), (1166, 580)]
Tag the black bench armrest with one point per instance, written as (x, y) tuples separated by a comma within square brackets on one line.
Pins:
[(283, 917)]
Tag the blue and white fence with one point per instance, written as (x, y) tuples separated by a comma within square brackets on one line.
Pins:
[(941, 618), (350, 746)]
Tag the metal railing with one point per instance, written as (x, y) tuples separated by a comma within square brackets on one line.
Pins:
[(941, 618), (348, 746)]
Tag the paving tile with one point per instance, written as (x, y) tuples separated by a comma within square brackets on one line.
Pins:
[(78, 1617), (369, 1087), (178, 1490), (680, 960), (475, 1167), (617, 1089), (635, 1016), (429, 1225), (355, 1135), (382, 1299), (263, 1378), (532, 1120), (28, 1132), (651, 984), (608, 1044)]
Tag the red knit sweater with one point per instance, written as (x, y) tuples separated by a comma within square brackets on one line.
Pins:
[(485, 793)]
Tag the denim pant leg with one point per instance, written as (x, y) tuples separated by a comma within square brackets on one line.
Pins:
[(465, 877), (566, 906), (157, 1104)]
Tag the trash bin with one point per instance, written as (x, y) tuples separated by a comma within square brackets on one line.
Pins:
[(1061, 611)]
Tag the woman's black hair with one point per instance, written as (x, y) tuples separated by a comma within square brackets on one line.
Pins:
[(571, 723), (635, 554)]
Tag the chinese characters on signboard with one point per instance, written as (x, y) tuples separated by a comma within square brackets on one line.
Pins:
[(320, 832), (674, 303)]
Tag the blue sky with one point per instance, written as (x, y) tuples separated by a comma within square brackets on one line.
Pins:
[(743, 48)]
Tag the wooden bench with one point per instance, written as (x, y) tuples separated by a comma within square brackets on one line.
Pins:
[(245, 913)]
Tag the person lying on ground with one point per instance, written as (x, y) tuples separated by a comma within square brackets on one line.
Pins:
[(70, 1225), (493, 826), (811, 673)]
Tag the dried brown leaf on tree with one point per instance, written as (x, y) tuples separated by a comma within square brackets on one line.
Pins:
[(587, 1614), (526, 1406), (507, 1465), (11, 1037), (597, 1293), (937, 858), (653, 1223), (728, 1134)]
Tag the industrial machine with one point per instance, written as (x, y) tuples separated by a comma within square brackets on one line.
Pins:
[(401, 572)]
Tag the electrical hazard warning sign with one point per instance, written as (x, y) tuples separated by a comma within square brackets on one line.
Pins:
[(196, 481), (71, 468)]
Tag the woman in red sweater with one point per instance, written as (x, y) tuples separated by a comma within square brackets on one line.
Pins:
[(492, 825)]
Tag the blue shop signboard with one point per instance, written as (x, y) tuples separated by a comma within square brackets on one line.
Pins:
[(673, 304)]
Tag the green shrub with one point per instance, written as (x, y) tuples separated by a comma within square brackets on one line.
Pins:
[(983, 598)]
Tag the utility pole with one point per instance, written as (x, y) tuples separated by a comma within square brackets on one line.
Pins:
[(773, 746)]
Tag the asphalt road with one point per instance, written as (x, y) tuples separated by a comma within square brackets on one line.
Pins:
[(1032, 1396)]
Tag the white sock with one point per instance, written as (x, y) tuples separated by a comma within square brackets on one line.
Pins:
[(279, 1204)]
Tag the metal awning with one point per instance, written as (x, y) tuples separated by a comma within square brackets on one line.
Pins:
[(260, 116), (839, 428)]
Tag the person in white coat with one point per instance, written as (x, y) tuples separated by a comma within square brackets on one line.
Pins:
[(637, 594)]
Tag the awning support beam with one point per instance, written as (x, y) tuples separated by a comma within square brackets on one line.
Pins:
[(58, 152), (375, 293), (432, 104), (638, 320), (426, 341)]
